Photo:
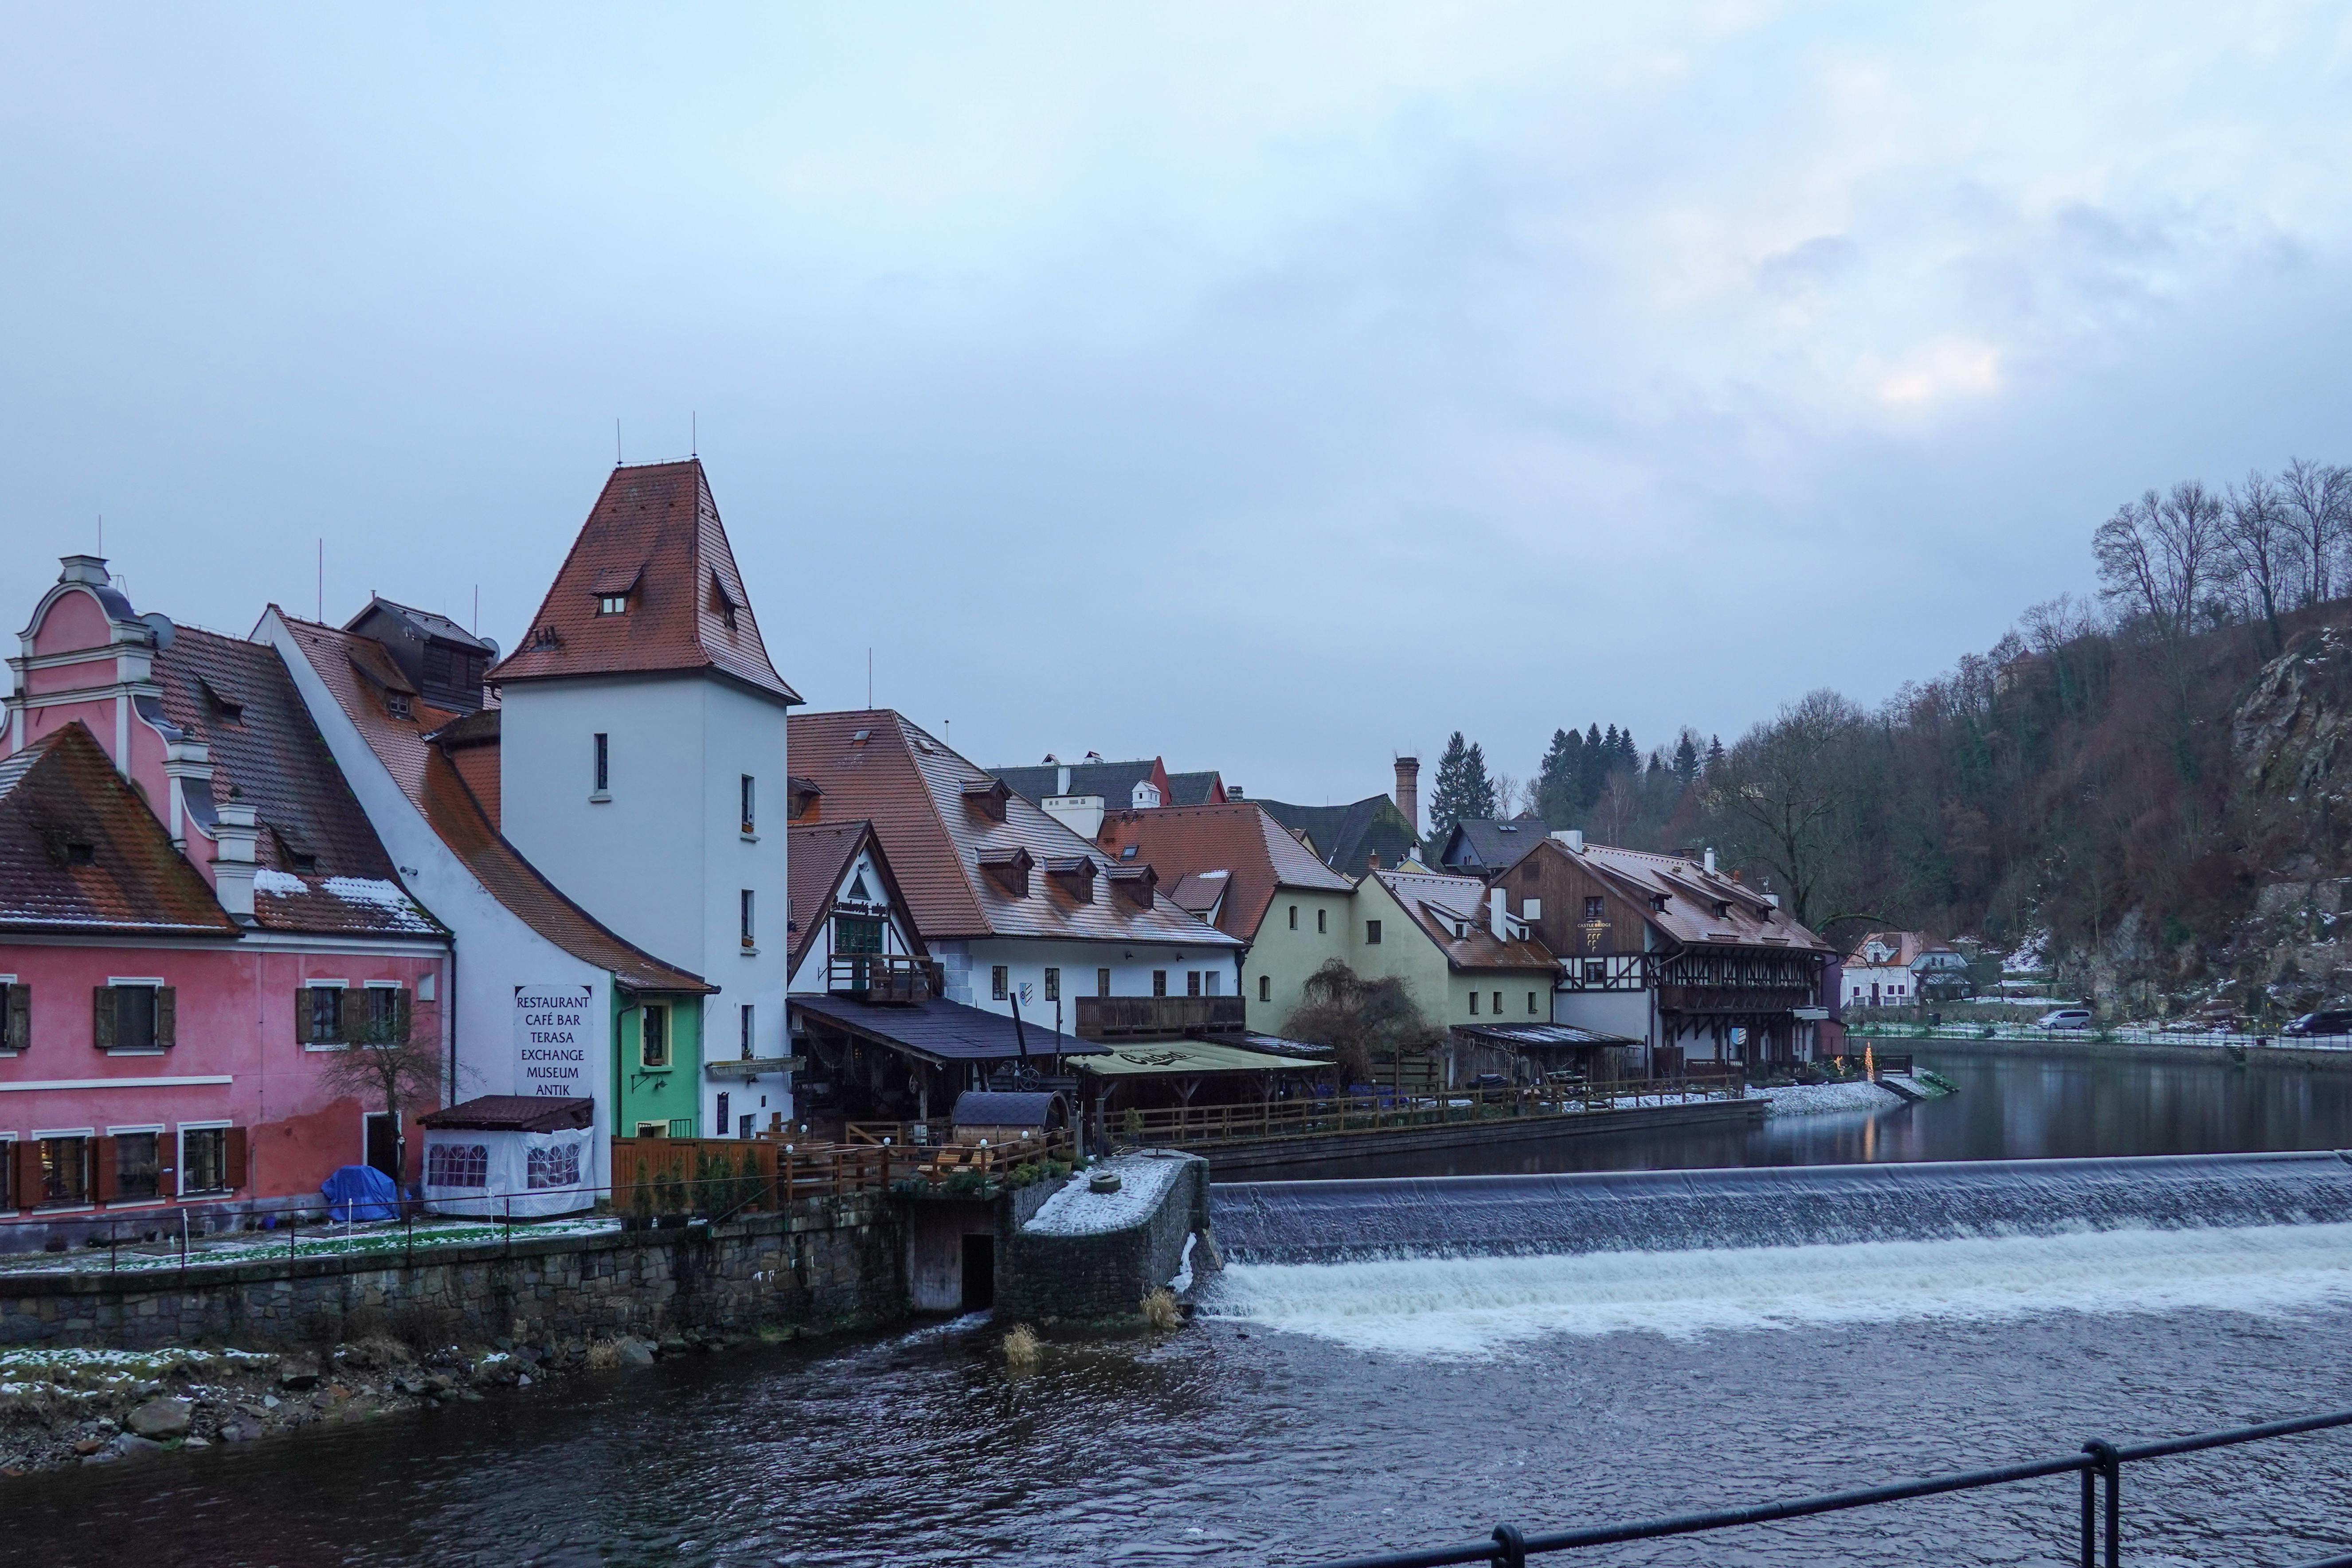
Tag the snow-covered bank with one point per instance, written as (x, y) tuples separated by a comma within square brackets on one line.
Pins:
[(1143, 1180), (1811, 1098)]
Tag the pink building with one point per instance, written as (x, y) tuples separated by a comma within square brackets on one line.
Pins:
[(194, 917)]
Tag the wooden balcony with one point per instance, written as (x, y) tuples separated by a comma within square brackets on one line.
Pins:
[(878, 977), (1159, 1018)]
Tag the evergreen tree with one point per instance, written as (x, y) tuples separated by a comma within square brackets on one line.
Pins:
[(1464, 791), (1687, 759), (1556, 780), (1627, 752), (1592, 770), (1714, 754)]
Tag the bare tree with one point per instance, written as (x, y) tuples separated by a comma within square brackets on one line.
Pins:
[(386, 1064), (2317, 497), (1786, 794), (1356, 1018), (2260, 542), (2156, 557)]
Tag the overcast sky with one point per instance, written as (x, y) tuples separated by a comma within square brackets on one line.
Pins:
[(1270, 388)]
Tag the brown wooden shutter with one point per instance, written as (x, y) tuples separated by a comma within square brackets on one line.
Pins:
[(29, 1173), (232, 1158), (302, 1014), (19, 1021), (399, 1024), (103, 1172), (167, 1165), (101, 1018), (167, 1009)]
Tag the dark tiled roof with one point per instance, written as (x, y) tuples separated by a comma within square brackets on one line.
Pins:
[(236, 698), (1114, 781), (1486, 844), (62, 792), (1347, 836), (1243, 840), (657, 527), (513, 1113), (426, 774), (1196, 789), (942, 1030), (912, 788), (426, 623)]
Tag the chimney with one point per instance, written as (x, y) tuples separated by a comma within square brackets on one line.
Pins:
[(1710, 862), (1498, 915), (1062, 780), (1408, 790), (90, 569), (1573, 837), (236, 830), (1372, 860)]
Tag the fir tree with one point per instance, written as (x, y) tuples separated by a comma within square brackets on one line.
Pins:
[(1464, 791), (1556, 780), (1592, 769), (1687, 759), (1714, 754)]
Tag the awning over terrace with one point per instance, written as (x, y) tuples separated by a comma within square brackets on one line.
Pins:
[(1193, 1059), (939, 1030)]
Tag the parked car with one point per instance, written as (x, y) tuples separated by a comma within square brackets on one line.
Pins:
[(2335, 1022), (2064, 1018)]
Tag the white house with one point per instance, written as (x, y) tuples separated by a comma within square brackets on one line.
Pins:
[(1888, 968), (642, 721)]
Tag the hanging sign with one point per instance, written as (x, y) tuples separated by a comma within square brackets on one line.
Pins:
[(551, 1034)]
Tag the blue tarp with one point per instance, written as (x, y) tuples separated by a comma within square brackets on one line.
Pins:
[(360, 1194)]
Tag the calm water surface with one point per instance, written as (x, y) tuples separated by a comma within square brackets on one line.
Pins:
[(1317, 1412)]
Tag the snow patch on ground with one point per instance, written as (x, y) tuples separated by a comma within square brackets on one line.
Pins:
[(1811, 1099), (1143, 1180)]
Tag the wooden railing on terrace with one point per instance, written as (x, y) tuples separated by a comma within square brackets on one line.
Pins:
[(724, 1176), (1210, 1126)]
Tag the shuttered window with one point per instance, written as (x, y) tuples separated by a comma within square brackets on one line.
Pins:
[(204, 1165), (16, 1017), (387, 1019), (319, 1014), (133, 1018)]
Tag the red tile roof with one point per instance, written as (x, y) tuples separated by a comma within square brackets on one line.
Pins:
[(1683, 900), (876, 765), (1244, 839), (322, 866), (820, 855), (79, 851), (1438, 902), (655, 536), (425, 773)]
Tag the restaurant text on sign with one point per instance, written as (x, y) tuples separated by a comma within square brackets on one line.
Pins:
[(550, 1032)]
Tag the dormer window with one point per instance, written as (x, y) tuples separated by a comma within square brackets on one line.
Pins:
[(613, 587), (612, 604), (396, 704), (302, 865)]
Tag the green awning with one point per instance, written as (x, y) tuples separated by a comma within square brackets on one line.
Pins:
[(1189, 1059)]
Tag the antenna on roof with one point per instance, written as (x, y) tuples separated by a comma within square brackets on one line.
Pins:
[(693, 434), (101, 534), (322, 580), (478, 610), (617, 440), (869, 679)]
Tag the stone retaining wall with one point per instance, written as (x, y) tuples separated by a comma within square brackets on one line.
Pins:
[(831, 1263), (1104, 1276)]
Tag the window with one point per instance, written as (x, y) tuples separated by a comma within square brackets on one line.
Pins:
[(138, 1166), (720, 1116), (653, 1034), (1531, 1004), (1596, 908), (603, 763), (387, 1016), (746, 1012), (1596, 972), (396, 704), (1209, 983), (999, 982), (322, 1014), (1192, 983), (204, 1160), (16, 1016), (132, 1016), (65, 1169), (1053, 985), (751, 805), (555, 1167), (1474, 1004), (1498, 1008), (1102, 982), (1159, 983), (612, 604), (1265, 988), (1321, 927), (1293, 917), (750, 942), (460, 1164), (1371, 933), (653, 1129)]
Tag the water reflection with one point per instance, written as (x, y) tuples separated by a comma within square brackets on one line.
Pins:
[(2012, 1105)]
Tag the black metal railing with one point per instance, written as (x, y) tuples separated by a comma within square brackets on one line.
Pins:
[(2100, 1464)]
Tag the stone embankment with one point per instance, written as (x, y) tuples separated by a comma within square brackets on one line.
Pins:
[(68, 1407), (1090, 1255)]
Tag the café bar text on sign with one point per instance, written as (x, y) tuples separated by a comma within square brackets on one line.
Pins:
[(551, 1039)]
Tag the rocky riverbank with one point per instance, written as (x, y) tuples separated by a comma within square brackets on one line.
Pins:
[(67, 1406)]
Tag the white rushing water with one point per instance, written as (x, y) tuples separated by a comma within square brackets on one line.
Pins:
[(1456, 1307)]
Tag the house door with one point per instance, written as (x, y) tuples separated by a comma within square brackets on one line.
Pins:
[(979, 1273), (1873, 993), (382, 1143)]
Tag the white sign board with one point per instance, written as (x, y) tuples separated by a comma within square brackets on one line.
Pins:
[(551, 1034)]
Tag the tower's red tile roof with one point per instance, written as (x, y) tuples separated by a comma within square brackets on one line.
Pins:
[(654, 536)]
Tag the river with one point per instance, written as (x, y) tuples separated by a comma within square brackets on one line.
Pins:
[(1320, 1409)]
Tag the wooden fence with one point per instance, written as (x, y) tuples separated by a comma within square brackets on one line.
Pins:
[(1211, 1126), (720, 1176)]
